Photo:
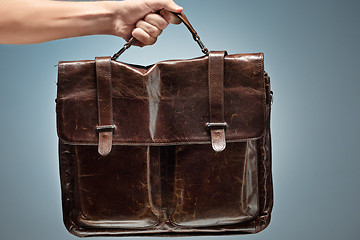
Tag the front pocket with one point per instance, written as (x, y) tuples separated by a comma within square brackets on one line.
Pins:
[(213, 189), (113, 191)]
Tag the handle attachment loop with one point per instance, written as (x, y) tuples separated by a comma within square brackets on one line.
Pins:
[(201, 45), (124, 48)]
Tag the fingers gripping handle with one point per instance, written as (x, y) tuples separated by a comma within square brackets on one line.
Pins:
[(184, 19)]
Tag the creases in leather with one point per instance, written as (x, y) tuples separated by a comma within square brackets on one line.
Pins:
[(167, 103)]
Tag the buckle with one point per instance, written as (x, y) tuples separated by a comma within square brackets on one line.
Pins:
[(105, 128), (217, 125)]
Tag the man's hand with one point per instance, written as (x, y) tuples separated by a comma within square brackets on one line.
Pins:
[(144, 19)]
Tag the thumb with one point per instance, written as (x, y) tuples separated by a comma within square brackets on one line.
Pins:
[(169, 5), (172, 6)]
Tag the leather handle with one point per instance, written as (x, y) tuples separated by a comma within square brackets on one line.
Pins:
[(186, 22)]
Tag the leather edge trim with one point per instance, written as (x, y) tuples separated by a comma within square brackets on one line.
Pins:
[(158, 143)]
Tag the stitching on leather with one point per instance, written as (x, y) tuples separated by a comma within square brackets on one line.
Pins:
[(133, 143), (261, 70), (97, 86), (148, 179), (110, 91), (209, 87)]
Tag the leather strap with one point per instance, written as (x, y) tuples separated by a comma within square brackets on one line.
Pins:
[(186, 22), (217, 123), (104, 99)]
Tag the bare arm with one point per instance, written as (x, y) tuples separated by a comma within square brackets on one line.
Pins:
[(34, 21)]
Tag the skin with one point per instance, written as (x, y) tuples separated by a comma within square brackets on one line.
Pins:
[(35, 21)]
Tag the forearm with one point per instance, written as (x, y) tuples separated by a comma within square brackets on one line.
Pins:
[(32, 21)]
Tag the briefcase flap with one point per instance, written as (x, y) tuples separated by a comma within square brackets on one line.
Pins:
[(163, 104)]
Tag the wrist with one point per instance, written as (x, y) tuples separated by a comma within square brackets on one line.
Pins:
[(114, 10), (98, 18)]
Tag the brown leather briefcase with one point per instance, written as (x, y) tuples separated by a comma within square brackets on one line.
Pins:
[(178, 148)]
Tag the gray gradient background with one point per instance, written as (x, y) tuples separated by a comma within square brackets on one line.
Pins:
[(312, 54)]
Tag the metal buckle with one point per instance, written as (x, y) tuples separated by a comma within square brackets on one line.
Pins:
[(217, 125), (201, 44), (104, 128)]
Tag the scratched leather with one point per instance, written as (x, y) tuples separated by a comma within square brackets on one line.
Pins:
[(173, 188), (164, 103), (167, 190), (215, 188)]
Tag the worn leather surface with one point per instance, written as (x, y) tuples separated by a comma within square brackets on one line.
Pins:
[(155, 180), (166, 103)]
